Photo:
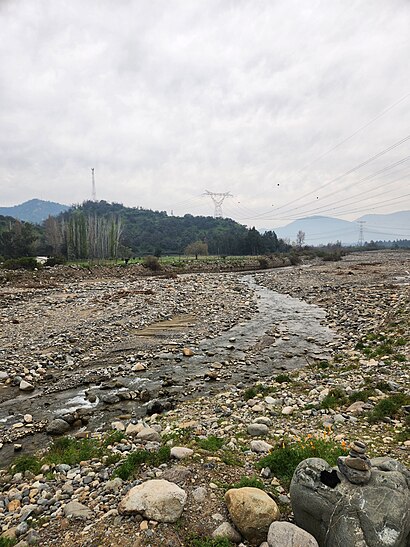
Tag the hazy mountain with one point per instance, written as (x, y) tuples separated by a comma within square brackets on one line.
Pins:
[(34, 210), (322, 230), (386, 227)]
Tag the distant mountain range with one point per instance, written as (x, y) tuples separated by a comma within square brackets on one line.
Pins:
[(322, 230), (34, 210)]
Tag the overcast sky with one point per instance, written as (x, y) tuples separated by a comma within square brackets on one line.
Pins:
[(166, 99)]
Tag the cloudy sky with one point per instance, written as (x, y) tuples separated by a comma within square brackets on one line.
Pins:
[(278, 102)]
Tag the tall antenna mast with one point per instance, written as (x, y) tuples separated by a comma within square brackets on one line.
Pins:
[(218, 199), (94, 193), (361, 236)]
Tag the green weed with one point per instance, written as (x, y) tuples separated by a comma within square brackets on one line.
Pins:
[(257, 389), (136, 459), (334, 399), (389, 407), (211, 443), (73, 451), (26, 463), (285, 457), (252, 482), (7, 542), (113, 437), (231, 458), (282, 378), (197, 541)]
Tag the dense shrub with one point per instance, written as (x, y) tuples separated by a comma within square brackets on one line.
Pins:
[(24, 263), (55, 261), (152, 263)]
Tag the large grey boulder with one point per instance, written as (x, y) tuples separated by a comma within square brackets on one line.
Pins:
[(57, 427), (158, 500), (338, 513)]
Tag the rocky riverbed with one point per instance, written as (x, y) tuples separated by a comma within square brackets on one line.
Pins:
[(319, 345)]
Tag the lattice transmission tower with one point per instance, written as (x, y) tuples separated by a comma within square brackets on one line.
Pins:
[(361, 224), (93, 191), (218, 198)]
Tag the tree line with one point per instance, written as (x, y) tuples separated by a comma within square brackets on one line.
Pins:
[(110, 230)]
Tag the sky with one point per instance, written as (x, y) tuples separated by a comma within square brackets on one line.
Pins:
[(295, 108)]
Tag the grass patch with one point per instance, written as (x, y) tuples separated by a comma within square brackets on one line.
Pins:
[(7, 542), (183, 436), (197, 541), (26, 463), (231, 458), (282, 378), (389, 407), (362, 395), (284, 458), (252, 482), (140, 457), (211, 443), (335, 398), (257, 389), (114, 437), (323, 365), (73, 451), (383, 386), (377, 345)]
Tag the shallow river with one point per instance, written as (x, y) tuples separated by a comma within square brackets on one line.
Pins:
[(284, 334)]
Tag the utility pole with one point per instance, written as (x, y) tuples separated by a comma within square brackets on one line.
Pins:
[(361, 237), (218, 198), (94, 193)]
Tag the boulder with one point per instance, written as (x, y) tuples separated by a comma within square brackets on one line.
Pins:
[(226, 530), (180, 452), (337, 512), (178, 474), (257, 430), (25, 386), (134, 429), (252, 511), (149, 434), (285, 534), (118, 426), (57, 427), (158, 500), (260, 447), (74, 509)]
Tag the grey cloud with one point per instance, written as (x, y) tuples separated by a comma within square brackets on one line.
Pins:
[(166, 99)]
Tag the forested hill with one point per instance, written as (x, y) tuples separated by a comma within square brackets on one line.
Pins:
[(153, 232)]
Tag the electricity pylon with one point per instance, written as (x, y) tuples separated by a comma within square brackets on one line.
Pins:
[(361, 237), (218, 198)]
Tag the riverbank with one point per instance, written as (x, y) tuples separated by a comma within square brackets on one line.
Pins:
[(337, 396)]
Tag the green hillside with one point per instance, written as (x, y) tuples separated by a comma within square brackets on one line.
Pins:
[(144, 231)]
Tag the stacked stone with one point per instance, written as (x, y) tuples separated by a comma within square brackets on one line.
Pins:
[(356, 467)]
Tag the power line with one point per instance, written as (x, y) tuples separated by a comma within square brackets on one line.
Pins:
[(340, 143), (329, 206), (349, 172)]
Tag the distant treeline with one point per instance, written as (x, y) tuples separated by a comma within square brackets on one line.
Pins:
[(110, 230)]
